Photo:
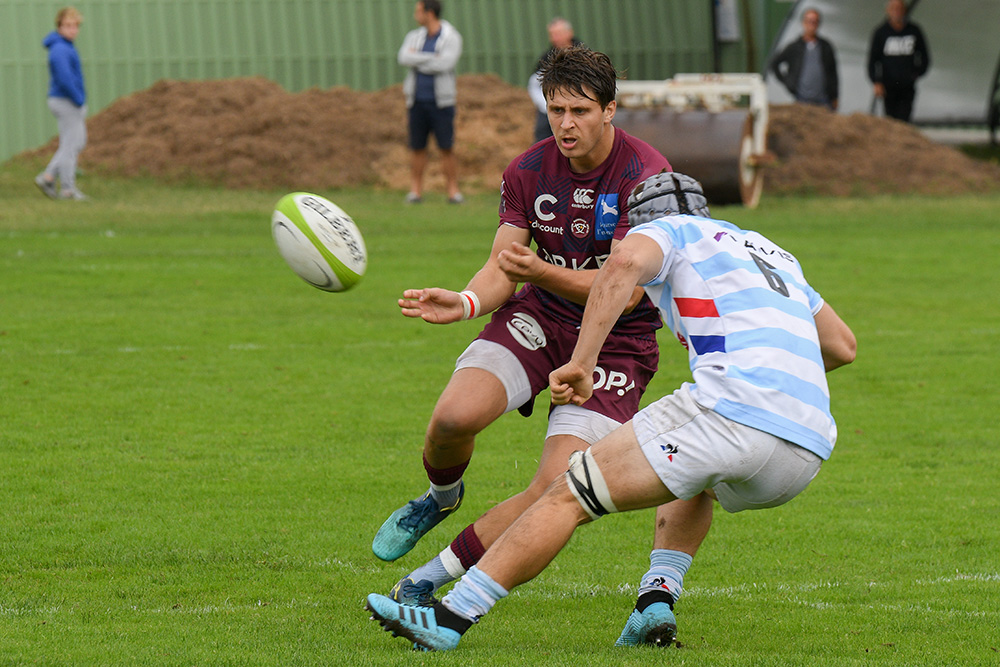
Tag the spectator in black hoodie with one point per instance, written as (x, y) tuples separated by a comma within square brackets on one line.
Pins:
[(898, 56)]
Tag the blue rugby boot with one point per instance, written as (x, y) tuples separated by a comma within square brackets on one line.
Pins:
[(651, 622), (429, 628), (415, 593), (404, 527)]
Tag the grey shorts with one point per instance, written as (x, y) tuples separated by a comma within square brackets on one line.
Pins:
[(692, 448)]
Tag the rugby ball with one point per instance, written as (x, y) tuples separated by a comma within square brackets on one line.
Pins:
[(320, 242)]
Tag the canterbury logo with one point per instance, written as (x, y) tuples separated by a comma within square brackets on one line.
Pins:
[(583, 197)]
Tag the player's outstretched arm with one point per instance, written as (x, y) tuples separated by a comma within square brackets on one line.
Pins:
[(836, 340), (434, 305), (490, 285)]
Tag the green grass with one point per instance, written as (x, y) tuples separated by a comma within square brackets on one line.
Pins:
[(985, 152), (196, 447)]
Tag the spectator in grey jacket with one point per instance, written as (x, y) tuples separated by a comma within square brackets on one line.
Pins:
[(67, 100), (560, 37), (808, 66), (431, 53)]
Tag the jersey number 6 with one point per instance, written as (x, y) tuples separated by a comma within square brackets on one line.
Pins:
[(773, 279)]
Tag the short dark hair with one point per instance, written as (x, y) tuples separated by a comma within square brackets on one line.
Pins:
[(432, 6), (574, 67)]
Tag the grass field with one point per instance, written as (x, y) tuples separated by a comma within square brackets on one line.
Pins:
[(196, 447)]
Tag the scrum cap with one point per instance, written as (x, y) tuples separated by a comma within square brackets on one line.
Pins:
[(666, 193)]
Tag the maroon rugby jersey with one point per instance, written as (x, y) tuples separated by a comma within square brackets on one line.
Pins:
[(574, 217)]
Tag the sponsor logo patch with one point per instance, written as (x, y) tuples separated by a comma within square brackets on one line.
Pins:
[(580, 228), (543, 207), (526, 330), (615, 381), (583, 198), (606, 216)]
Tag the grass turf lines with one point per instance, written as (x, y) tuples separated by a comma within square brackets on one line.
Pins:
[(197, 447)]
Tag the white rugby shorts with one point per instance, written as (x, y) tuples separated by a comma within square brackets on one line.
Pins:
[(692, 448)]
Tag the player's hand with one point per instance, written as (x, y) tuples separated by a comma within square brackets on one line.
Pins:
[(571, 383), (434, 305), (520, 263)]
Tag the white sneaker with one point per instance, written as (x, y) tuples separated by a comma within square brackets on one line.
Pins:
[(47, 187), (74, 195)]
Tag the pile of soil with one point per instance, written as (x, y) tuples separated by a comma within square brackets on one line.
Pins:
[(251, 133), (822, 152)]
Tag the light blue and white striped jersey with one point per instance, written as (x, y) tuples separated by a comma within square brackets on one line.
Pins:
[(743, 309)]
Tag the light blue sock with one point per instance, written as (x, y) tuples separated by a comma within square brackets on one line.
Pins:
[(666, 572), (474, 595)]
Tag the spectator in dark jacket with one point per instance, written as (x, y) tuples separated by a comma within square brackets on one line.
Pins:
[(898, 56), (808, 66)]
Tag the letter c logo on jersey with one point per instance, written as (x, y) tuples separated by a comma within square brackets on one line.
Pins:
[(526, 330), (544, 214)]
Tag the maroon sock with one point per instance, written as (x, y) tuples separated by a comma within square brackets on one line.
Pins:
[(467, 547), (444, 476)]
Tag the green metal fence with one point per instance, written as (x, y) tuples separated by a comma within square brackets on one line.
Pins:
[(127, 45)]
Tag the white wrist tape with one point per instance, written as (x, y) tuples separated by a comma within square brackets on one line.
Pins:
[(470, 305)]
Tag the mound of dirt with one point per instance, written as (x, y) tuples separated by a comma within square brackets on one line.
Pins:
[(821, 152), (251, 133)]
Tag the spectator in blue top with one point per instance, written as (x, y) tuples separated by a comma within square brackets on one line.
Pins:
[(68, 103), (431, 53)]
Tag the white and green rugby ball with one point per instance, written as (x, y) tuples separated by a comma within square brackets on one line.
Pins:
[(319, 241)]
